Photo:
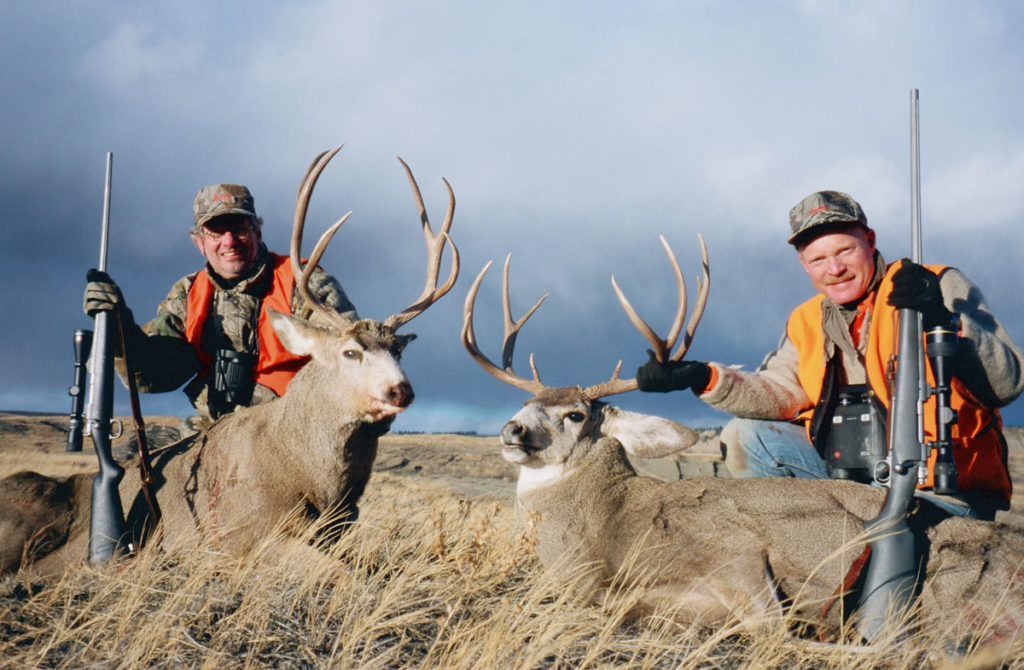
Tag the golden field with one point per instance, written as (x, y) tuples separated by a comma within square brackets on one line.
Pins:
[(438, 572)]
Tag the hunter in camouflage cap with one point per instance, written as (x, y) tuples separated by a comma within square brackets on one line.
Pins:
[(219, 199), (824, 208)]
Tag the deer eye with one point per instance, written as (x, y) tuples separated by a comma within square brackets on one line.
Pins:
[(575, 417), (352, 354)]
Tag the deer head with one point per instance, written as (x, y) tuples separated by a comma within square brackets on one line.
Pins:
[(359, 361), (557, 426)]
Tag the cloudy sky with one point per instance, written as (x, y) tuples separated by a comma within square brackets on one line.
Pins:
[(572, 133)]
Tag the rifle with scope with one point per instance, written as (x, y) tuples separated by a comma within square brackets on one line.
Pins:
[(891, 580), (107, 529)]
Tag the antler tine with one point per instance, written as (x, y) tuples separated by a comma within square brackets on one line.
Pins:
[(301, 273), (435, 249), (302, 203), (703, 288), (611, 387), (677, 321), (314, 259), (512, 327), (506, 374), (661, 347), (533, 364)]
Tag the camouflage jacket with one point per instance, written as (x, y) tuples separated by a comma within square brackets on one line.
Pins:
[(163, 359)]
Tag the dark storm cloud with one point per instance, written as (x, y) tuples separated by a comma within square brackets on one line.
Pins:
[(572, 140)]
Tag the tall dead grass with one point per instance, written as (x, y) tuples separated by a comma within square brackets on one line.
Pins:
[(423, 580)]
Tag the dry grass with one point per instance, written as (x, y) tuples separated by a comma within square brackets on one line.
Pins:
[(425, 579), (428, 578)]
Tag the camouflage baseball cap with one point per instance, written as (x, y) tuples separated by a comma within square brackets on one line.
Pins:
[(219, 199), (824, 207)]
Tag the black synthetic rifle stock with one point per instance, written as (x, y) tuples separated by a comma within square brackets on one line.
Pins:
[(891, 576), (107, 529)]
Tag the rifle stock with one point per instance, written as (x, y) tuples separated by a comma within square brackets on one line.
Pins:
[(892, 570)]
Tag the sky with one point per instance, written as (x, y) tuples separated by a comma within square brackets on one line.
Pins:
[(573, 135)]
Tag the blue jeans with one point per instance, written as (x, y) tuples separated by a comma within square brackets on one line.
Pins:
[(761, 448)]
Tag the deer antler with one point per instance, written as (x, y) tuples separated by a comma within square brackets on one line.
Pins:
[(614, 385), (435, 248), (660, 347), (504, 373), (663, 347), (301, 273)]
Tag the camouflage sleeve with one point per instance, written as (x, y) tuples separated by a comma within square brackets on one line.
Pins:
[(160, 356), (328, 291), (988, 361), (772, 392)]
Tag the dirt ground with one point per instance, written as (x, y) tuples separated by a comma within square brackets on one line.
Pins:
[(470, 466)]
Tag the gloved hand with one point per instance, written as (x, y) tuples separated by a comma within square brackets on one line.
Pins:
[(101, 293), (672, 375), (916, 287)]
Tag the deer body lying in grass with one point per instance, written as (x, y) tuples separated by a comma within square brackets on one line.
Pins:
[(311, 449), (712, 551)]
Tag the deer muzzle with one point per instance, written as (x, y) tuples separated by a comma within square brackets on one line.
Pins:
[(515, 442), (394, 400), (512, 433), (401, 395)]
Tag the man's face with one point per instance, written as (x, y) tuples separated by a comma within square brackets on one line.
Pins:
[(841, 265), (230, 244)]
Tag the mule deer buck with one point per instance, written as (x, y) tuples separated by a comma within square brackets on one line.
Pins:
[(311, 449), (710, 550)]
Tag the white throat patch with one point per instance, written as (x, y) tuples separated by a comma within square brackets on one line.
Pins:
[(531, 479)]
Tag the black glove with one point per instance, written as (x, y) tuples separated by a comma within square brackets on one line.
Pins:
[(672, 375), (101, 293), (916, 287)]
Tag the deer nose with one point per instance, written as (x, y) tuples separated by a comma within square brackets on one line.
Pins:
[(512, 431), (401, 395)]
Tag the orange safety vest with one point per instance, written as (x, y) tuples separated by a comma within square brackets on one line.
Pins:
[(978, 446), (275, 365)]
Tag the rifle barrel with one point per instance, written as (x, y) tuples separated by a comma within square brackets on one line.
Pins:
[(105, 231), (915, 180)]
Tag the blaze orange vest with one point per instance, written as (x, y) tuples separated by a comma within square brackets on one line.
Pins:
[(978, 446), (275, 365)]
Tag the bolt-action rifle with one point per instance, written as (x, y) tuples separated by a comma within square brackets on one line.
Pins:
[(107, 529), (892, 572)]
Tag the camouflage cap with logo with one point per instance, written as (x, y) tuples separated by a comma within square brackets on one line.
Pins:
[(218, 199), (824, 207)]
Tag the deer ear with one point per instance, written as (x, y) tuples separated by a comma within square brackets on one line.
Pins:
[(644, 435), (297, 335), (404, 340)]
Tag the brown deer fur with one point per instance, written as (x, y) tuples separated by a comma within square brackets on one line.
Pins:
[(709, 550)]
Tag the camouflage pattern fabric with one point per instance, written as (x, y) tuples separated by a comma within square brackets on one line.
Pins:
[(824, 208), (221, 199)]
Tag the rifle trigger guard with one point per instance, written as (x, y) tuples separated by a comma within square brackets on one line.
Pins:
[(119, 429)]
